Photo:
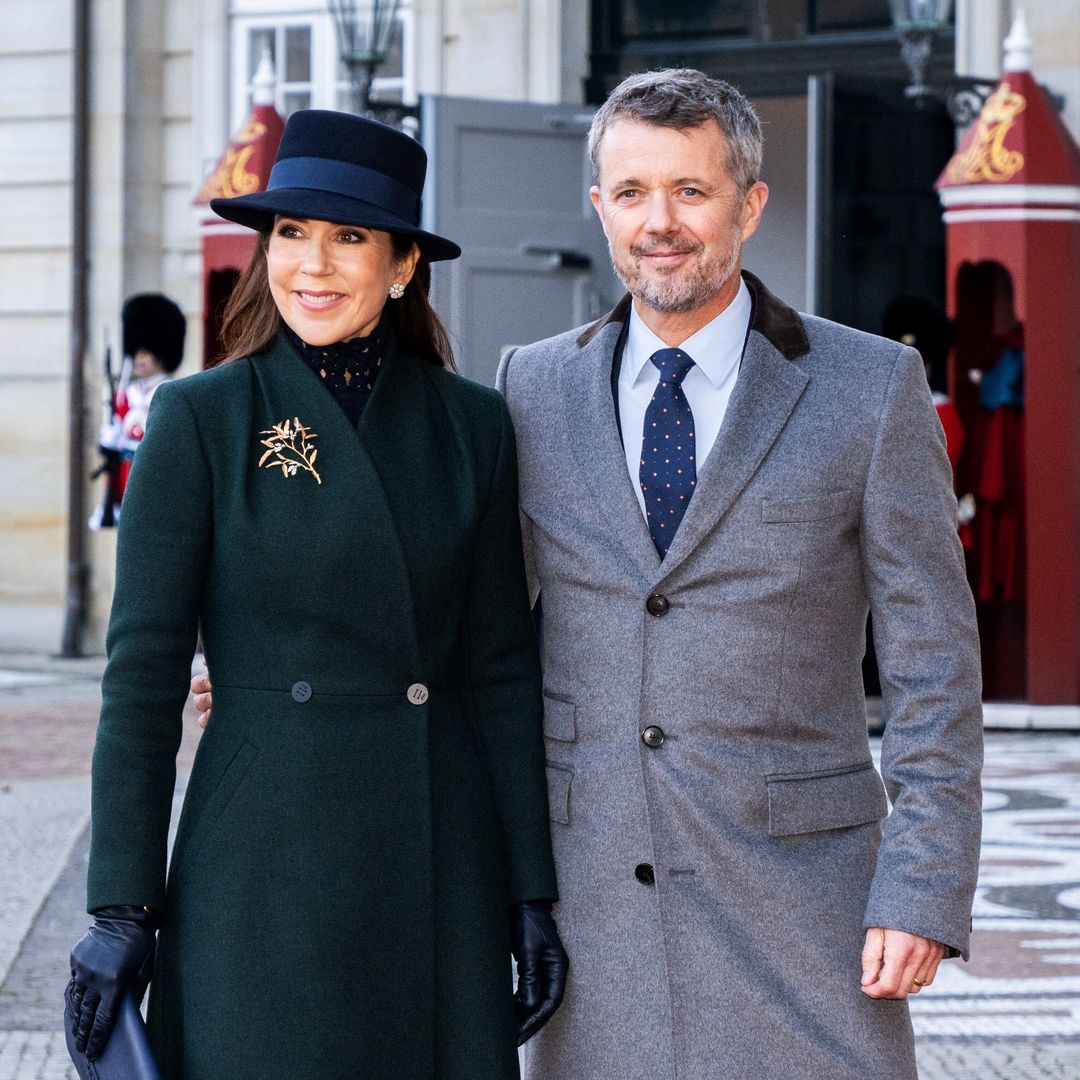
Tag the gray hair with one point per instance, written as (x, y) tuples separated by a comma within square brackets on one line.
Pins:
[(684, 98)]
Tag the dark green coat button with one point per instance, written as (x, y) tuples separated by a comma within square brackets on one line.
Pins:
[(653, 737), (301, 691)]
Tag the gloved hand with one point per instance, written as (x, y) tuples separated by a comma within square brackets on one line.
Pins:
[(115, 955), (542, 965)]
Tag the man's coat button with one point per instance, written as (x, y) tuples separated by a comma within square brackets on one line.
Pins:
[(301, 691), (417, 693), (644, 873), (657, 605), (653, 736)]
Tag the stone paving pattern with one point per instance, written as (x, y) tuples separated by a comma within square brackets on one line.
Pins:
[(1014, 1010), (1012, 1013)]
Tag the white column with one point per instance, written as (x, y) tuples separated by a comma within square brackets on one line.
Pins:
[(981, 26), (573, 49), (209, 84), (510, 50), (1055, 29)]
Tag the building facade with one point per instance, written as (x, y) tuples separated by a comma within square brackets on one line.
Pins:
[(169, 81)]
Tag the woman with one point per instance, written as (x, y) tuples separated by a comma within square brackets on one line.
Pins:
[(337, 512)]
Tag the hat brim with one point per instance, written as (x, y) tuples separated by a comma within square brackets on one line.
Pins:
[(257, 212)]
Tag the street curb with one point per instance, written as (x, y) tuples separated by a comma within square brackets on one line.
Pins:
[(53, 878)]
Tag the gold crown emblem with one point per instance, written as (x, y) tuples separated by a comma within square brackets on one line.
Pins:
[(1003, 105), (986, 159)]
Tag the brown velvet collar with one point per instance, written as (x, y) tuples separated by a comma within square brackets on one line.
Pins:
[(771, 317)]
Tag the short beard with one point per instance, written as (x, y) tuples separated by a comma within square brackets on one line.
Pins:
[(676, 295)]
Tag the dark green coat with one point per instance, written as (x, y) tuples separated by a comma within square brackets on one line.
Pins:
[(337, 900)]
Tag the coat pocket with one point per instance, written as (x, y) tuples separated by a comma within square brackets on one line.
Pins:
[(816, 508), (228, 784), (559, 722), (558, 785), (833, 799)]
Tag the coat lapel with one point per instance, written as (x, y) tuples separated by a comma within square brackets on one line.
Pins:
[(396, 428), (408, 437), (594, 438), (767, 390), (359, 467)]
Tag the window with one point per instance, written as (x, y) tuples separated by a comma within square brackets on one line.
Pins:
[(765, 47), (300, 39), (662, 18), (633, 21), (851, 15), (289, 49)]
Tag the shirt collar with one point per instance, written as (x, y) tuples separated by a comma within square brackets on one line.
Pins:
[(716, 348)]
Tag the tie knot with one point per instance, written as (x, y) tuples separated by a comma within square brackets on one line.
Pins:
[(673, 364)]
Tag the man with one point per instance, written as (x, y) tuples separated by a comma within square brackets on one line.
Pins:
[(714, 491), (707, 538)]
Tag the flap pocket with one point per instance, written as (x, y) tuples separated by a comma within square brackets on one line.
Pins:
[(559, 719), (207, 797), (837, 799), (227, 786), (815, 508), (558, 784)]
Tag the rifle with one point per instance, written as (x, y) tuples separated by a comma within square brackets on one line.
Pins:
[(111, 444)]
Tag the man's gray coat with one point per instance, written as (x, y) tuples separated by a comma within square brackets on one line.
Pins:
[(716, 884)]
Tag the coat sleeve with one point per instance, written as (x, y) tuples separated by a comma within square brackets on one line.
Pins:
[(531, 577), (504, 676), (928, 656), (163, 540)]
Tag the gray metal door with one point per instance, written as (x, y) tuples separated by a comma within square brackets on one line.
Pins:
[(509, 181)]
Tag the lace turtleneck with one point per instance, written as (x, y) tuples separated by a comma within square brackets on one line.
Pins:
[(348, 369)]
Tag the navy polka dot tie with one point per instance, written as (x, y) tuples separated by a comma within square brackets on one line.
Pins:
[(668, 471)]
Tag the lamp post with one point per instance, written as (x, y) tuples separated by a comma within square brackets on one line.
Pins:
[(365, 31), (917, 23)]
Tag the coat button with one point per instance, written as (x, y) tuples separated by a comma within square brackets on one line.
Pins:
[(644, 873), (657, 604), (653, 737), (417, 693), (301, 691)]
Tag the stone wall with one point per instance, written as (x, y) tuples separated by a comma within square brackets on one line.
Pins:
[(35, 276)]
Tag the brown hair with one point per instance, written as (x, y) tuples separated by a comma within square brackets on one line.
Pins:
[(251, 319)]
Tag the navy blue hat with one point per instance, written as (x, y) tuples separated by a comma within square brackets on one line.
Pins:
[(347, 169)]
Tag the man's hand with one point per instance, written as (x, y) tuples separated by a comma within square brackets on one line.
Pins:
[(896, 964), (201, 690)]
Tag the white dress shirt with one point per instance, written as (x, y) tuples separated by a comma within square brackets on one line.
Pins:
[(716, 350)]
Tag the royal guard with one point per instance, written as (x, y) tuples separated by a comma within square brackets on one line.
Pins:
[(153, 330), (925, 326)]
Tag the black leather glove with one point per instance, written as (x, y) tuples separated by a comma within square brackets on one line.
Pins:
[(115, 956), (542, 966)]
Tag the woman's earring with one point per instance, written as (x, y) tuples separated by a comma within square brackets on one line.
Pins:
[(397, 291)]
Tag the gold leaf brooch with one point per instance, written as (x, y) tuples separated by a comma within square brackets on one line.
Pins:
[(289, 448)]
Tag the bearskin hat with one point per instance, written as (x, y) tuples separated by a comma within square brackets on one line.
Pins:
[(153, 322), (924, 326)]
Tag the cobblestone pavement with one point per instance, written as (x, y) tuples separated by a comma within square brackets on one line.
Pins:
[(1012, 1013), (1014, 1010), (48, 712)]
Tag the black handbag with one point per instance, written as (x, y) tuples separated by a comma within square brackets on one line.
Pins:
[(127, 1054)]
